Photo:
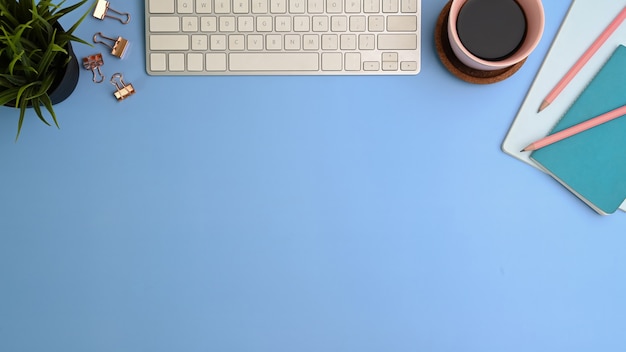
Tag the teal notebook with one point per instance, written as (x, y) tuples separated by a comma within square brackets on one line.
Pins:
[(592, 164)]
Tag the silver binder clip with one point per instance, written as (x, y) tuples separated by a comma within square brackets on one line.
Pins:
[(119, 46), (123, 90), (93, 63), (102, 7)]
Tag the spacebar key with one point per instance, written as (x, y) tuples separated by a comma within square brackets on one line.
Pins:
[(274, 61)]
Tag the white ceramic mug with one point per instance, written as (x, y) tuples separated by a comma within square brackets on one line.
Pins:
[(535, 20)]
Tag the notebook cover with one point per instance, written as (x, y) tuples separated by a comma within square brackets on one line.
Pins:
[(592, 164)]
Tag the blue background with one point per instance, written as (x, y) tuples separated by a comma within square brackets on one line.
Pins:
[(296, 214)]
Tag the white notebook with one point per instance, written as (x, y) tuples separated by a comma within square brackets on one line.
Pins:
[(584, 22)]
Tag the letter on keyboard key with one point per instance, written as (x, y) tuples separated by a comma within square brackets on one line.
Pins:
[(274, 61), (397, 41), (169, 42)]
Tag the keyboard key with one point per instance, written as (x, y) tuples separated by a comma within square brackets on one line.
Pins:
[(185, 6), (241, 7), (371, 6), (264, 23), (301, 23), (255, 42), (339, 23), (260, 6), (161, 6), (334, 6), (347, 42), (177, 62), (408, 65), (357, 23), (169, 42), (352, 61), (227, 24), (236, 42), (222, 6), (311, 42), (353, 6), (215, 62), (331, 61), (376, 23), (367, 42), (190, 24), (203, 6), (320, 23), (389, 66), (245, 24), (164, 24), (208, 24), (409, 6), (158, 62), (397, 41), (199, 42), (371, 66), (274, 62), (194, 62), (316, 6), (273, 42), (296, 6), (292, 42), (278, 6), (283, 24), (329, 42), (218, 42), (390, 6), (401, 23)]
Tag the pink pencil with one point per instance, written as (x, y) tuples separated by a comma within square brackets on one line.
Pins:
[(583, 59), (570, 131)]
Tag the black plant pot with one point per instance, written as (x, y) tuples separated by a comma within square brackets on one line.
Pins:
[(64, 85), (66, 81)]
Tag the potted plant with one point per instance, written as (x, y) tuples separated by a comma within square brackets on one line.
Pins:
[(38, 67)]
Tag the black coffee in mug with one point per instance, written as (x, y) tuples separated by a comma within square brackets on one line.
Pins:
[(491, 29)]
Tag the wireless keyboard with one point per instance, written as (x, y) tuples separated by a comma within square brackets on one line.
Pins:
[(284, 37)]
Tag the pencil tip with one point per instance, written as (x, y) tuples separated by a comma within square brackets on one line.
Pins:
[(544, 105)]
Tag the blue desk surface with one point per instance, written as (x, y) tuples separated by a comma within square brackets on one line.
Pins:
[(296, 214)]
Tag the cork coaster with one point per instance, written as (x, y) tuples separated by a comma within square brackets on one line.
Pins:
[(455, 66)]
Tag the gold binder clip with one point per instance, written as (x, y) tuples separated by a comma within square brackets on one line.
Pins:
[(102, 7), (123, 90), (93, 63), (118, 48)]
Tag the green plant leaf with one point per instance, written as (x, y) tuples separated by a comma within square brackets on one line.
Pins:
[(6, 14), (8, 96), (21, 119), (49, 55), (45, 85), (25, 88), (45, 99)]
